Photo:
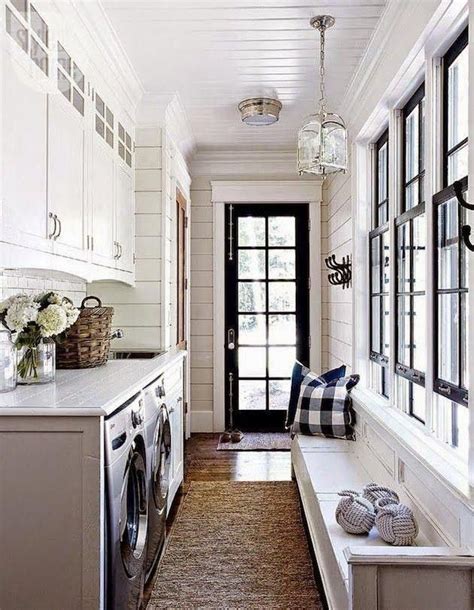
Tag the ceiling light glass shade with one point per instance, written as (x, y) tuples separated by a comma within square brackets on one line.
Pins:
[(322, 145), (259, 111)]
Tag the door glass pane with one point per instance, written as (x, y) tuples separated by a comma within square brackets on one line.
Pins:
[(403, 251), (448, 338), (252, 330), (419, 253), (252, 362), (279, 394), (281, 296), (419, 332), (448, 244), (385, 325), (281, 264), (251, 264), (281, 231), (251, 231), (282, 329), (251, 296), (411, 145), (403, 329), (281, 361), (375, 318), (375, 264), (252, 395)]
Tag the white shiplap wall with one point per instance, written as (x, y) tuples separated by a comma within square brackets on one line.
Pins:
[(138, 310), (336, 238)]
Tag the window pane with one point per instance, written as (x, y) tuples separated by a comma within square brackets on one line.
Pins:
[(281, 361), (448, 337), (282, 329), (252, 330), (403, 330), (251, 231), (281, 264), (422, 138), (411, 144), (279, 394), (375, 263), (465, 342), (382, 172), (282, 296), (281, 231), (252, 395), (419, 332), (403, 262), (16, 30), (403, 393), (462, 430), (448, 244), (418, 401), (458, 80), (38, 25), (386, 325), (457, 164), (412, 195), (386, 261), (251, 264), (382, 213), (375, 319), (252, 361), (252, 296), (419, 253)]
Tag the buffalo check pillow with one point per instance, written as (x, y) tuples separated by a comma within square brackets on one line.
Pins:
[(325, 409)]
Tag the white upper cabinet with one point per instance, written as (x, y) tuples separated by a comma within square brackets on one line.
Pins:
[(67, 188), (25, 132)]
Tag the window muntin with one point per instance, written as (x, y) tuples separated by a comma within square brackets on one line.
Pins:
[(380, 307), (456, 84), (381, 188)]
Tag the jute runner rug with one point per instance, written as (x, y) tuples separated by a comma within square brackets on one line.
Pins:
[(259, 441), (237, 545)]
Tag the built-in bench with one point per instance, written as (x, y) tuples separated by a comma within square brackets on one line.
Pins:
[(363, 572)]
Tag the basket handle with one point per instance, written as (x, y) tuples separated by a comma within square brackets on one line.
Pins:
[(83, 304)]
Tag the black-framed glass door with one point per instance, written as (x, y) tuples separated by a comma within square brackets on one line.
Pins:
[(267, 309)]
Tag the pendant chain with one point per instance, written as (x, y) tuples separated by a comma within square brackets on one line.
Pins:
[(322, 89)]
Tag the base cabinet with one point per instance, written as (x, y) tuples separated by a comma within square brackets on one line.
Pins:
[(174, 389)]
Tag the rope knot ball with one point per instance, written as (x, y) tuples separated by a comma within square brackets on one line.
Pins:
[(373, 492), (354, 514), (395, 522)]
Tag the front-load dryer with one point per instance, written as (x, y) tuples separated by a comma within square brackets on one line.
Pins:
[(158, 447), (126, 505)]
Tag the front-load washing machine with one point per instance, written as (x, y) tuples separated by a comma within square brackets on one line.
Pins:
[(126, 505), (158, 451)]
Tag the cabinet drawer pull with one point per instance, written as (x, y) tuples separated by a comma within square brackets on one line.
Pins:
[(120, 249), (60, 227), (53, 217)]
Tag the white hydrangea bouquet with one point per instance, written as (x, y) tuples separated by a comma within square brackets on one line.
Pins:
[(36, 323)]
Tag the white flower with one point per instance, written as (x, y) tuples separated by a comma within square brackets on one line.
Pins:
[(56, 299), (72, 313), (4, 305), (22, 309), (52, 320)]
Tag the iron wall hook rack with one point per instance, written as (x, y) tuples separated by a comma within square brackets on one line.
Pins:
[(466, 229), (342, 271)]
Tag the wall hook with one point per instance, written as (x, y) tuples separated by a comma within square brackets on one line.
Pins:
[(466, 237), (458, 191), (342, 271)]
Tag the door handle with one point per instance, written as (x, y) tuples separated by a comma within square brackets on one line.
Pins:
[(231, 339)]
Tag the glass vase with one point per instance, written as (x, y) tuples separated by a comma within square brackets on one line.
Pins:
[(36, 363), (7, 362)]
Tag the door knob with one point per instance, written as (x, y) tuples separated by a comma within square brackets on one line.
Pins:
[(231, 339)]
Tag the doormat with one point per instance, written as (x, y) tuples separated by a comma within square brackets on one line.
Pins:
[(237, 545), (259, 441)]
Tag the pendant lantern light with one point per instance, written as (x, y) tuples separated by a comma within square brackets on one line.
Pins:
[(322, 139)]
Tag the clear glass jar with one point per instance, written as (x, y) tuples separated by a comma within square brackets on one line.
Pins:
[(37, 363), (7, 362)]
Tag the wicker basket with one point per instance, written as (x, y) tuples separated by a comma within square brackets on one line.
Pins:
[(86, 344)]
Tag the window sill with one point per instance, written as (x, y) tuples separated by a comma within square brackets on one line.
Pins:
[(451, 470)]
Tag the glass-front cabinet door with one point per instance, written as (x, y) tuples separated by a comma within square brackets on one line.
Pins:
[(267, 309)]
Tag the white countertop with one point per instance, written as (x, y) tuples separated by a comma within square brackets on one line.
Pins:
[(86, 392)]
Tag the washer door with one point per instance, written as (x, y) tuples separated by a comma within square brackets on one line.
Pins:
[(161, 463), (133, 513)]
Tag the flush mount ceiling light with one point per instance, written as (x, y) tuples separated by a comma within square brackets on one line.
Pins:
[(322, 139), (258, 111)]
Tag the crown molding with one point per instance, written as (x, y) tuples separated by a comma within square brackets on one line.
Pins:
[(167, 111)]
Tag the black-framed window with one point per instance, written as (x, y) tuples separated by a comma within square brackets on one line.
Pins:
[(410, 236), (455, 113), (413, 150), (380, 307), (451, 366), (381, 207)]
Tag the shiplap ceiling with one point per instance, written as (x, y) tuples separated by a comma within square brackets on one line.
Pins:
[(217, 52)]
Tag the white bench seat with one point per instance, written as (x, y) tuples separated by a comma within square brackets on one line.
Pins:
[(322, 468)]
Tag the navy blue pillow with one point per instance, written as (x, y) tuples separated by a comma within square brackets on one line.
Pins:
[(298, 374)]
